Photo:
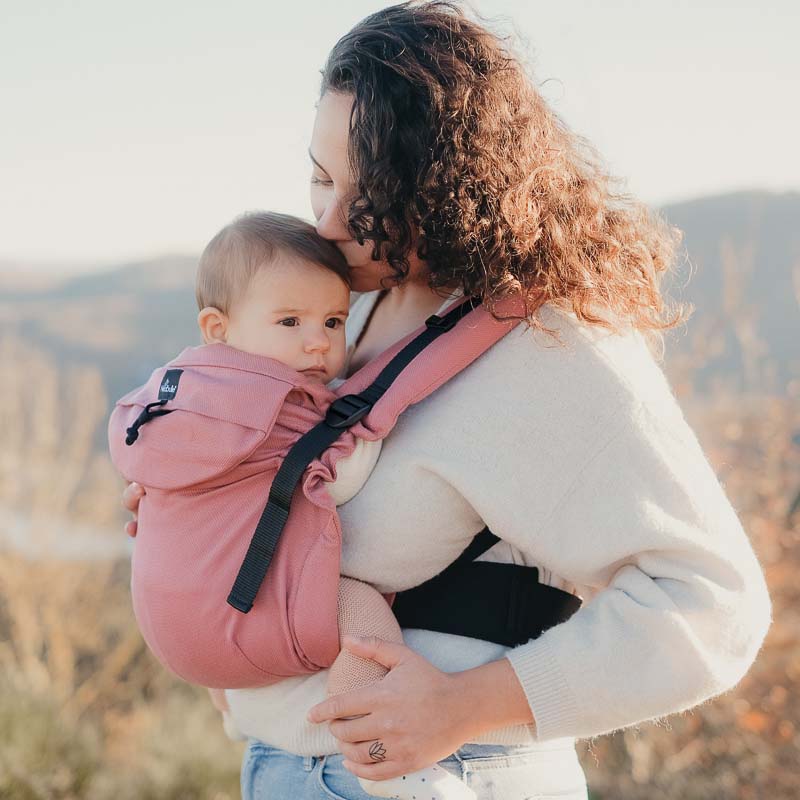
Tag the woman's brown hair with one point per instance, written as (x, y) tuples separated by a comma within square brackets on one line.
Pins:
[(455, 153)]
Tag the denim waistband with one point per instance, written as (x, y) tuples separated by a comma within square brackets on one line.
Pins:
[(549, 769), (476, 750), (470, 750)]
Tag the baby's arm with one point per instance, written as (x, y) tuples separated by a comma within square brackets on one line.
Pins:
[(363, 611)]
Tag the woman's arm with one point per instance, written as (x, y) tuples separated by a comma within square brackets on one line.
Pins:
[(683, 606), (682, 615), (495, 695)]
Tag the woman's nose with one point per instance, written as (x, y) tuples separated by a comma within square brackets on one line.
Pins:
[(332, 223)]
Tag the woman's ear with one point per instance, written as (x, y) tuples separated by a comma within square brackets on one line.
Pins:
[(213, 325)]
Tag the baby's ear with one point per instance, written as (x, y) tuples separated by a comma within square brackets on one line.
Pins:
[(213, 325)]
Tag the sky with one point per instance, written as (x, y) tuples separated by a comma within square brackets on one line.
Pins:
[(132, 130)]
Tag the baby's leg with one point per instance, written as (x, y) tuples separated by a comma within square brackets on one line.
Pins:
[(363, 611)]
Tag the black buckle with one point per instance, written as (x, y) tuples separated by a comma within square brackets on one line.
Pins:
[(346, 411), (441, 323)]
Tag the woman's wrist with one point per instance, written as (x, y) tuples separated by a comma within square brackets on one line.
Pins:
[(491, 697)]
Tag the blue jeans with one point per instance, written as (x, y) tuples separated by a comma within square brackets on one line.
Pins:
[(494, 772)]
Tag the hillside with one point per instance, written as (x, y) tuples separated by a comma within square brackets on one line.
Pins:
[(742, 274)]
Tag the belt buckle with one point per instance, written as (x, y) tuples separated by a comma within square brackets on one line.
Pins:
[(346, 411)]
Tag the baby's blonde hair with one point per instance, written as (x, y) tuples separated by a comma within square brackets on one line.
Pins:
[(250, 243)]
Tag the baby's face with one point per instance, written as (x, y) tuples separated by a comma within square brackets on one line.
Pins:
[(293, 311)]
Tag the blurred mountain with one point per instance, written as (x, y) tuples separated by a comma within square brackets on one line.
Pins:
[(125, 321), (742, 274)]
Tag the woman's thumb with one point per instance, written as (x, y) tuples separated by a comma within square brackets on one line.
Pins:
[(390, 654)]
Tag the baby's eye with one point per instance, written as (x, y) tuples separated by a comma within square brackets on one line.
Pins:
[(289, 322), (336, 322)]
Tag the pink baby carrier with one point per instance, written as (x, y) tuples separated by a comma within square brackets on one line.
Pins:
[(220, 605)]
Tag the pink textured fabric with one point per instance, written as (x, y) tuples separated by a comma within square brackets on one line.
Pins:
[(208, 467)]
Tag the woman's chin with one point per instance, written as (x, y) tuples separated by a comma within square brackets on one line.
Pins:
[(365, 279), (364, 286)]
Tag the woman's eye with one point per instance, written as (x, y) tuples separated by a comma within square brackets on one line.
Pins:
[(315, 179), (289, 322), (334, 322)]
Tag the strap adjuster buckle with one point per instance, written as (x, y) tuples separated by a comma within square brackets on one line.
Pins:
[(346, 411), (440, 323)]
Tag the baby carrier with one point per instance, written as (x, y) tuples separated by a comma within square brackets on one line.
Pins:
[(229, 595)]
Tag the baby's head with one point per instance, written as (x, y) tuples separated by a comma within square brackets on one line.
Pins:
[(268, 284)]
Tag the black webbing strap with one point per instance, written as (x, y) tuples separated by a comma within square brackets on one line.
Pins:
[(342, 414), (496, 602), (483, 541)]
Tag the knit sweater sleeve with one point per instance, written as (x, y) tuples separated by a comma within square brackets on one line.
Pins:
[(676, 605), (595, 476)]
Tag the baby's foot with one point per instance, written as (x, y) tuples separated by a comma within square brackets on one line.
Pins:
[(431, 783)]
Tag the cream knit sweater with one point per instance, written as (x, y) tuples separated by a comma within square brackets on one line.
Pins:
[(578, 456)]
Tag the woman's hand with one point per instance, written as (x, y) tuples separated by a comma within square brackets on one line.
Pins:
[(415, 716), (130, 499)]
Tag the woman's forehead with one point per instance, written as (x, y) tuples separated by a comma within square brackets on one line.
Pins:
[(329, 137)]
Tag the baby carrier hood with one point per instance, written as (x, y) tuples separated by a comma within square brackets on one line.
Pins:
[(205, 426)]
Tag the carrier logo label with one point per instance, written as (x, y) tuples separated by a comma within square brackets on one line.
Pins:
[(169, 385)]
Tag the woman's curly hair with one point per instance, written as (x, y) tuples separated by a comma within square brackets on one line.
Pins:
[(455, 153)]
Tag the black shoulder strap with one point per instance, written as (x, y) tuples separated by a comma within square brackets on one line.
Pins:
[(342, 414)]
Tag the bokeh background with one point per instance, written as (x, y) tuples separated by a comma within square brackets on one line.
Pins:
[(132, 132)]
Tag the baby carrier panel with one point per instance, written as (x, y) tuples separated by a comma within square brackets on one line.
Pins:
[(208, 462), (207, 465)]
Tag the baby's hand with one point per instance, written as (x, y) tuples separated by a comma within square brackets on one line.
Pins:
[(131, 496)]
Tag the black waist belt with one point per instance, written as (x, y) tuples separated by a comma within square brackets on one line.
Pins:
[(503, 603)]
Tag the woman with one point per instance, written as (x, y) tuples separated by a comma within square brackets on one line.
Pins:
[(438, 170)]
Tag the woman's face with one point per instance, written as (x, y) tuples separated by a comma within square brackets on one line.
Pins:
[(332, 191)]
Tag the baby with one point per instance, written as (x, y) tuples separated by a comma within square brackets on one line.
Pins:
[(268, 285)]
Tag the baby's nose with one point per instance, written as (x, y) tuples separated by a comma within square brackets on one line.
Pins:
[(317, 341)]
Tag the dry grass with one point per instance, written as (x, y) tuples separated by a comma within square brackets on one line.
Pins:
[(85, 712)]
